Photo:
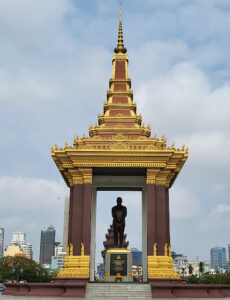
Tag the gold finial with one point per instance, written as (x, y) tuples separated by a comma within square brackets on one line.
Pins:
[(120, 46), (155, 249), (71, 249), (82, 249), (170, 250), (166, 249)]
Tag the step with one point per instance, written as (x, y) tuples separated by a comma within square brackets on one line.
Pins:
[(118, 291)]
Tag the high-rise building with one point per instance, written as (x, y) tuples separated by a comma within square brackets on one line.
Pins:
[(229, 252), (136, 257), (27, 249), (59, 249), (1, 241), (18, 238), (47, 245), (179, 262), (218, 258)]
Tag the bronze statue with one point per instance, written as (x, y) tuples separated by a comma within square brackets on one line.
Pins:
[(119, 213)]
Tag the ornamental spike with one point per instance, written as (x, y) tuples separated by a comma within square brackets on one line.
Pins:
[(120, 45)]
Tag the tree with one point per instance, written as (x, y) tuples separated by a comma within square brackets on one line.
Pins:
[(183, 271), (201, 268), (190, 269), (21, 268)]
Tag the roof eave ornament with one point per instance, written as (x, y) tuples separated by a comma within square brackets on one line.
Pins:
[(120, 46)]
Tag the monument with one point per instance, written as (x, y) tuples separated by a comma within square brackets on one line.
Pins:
[(119, 154), (118, 260), (119, 213)]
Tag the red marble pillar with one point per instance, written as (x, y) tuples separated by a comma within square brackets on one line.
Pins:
[(157, 218), (86, 232), (151, 220), (79, 230)]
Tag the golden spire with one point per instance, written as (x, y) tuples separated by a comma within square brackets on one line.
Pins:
[(120, 46)]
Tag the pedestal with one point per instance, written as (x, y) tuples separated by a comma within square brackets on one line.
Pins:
[(118, 265)]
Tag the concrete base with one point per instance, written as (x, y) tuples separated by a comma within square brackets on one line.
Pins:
[(64, 287), (177, 289), (118, 261), (79, 288)]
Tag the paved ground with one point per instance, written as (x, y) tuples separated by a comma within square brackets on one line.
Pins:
[(60, 298)]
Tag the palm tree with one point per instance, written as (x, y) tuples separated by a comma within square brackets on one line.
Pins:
[(190, 269), (183, 271), (201, 268)]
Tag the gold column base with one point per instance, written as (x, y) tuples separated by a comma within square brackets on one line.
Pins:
[(161, 267), (76, 266)]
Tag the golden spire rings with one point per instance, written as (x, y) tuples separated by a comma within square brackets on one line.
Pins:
[(120, 45)]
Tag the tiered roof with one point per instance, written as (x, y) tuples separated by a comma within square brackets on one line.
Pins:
[(120, 139)]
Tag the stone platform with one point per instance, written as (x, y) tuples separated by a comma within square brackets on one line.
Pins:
[(64, 287), (82, 290), (118, 291)]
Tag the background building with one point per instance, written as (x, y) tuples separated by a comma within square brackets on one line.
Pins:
[(27, 249), (18, 238), (180, 262), (136, 257), (58, 260), (218, 258), (13, 250), (1, 241), (47, 245), (229, 252)]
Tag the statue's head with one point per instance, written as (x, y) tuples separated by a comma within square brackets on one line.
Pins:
[(119, 200)]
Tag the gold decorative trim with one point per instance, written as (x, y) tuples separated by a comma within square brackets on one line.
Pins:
[(120, 250), (161, 266), (76, 266)]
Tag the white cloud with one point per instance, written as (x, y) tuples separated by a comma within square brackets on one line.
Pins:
[(221, 208), (183, 204), (28, 194), (184, 95), (55, 62)]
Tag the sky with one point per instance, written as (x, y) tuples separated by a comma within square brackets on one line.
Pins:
[(55, 65)]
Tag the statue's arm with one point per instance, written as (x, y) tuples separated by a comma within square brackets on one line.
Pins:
[(113, 213), (125, 213)]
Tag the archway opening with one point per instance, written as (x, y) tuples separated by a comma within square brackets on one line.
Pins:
[(133, 228)]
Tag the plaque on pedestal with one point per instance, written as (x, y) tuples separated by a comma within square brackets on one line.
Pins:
[(118, 265)]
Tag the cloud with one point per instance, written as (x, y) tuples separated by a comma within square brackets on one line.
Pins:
[(185, 96), (29, 205), (55, 62), (183, 204), (222, 208), (28, 194)]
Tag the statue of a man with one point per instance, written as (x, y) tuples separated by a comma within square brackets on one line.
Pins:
[(119, 213)]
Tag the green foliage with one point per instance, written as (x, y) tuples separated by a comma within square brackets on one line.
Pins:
[(21, 268), (55, 272), (183, 271), (190, 269), (216, 279), (210, 279), (201, 267), (193, 279)]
